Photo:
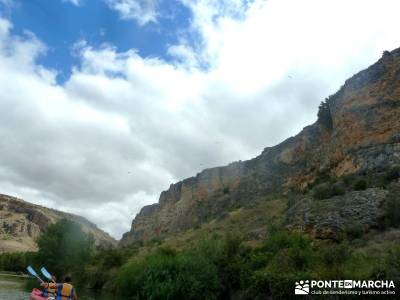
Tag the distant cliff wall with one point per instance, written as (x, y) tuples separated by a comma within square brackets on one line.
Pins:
[(358, 130)]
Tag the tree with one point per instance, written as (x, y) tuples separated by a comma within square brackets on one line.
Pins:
[(65, 248), (324, 114)]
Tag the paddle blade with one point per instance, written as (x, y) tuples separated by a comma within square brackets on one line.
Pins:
[(46, 273), (32, 271)]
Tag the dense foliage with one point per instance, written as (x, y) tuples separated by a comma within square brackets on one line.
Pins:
[(167, 275), (225, 269), (16, 262), (65, 248)]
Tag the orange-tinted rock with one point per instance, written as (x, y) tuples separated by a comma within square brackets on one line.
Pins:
[(362, 134)]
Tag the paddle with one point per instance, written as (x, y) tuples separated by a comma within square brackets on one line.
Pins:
[(33, 273), (46, 274)]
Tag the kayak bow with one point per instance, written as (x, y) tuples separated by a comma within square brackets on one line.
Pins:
[(36, 294)]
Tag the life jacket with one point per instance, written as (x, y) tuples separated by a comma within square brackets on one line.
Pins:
[(64, 291), (50, 290)]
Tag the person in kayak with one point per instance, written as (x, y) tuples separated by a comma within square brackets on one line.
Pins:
[(50, 288), (66, 291)]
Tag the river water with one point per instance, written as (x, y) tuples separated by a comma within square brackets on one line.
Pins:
[(12, 288)]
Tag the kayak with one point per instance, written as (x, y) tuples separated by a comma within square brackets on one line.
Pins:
[(37, 295)]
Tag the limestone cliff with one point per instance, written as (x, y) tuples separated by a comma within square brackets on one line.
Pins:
[(22, 222), (358, 131)]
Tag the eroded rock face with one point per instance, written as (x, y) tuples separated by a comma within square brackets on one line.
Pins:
[(331, 218), (22, 222), (363, 135)]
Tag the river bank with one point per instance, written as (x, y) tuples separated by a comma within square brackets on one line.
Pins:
[(12, 287)]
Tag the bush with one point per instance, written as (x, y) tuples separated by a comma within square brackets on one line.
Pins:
[(389, 266), (390, 175), (328, 190), (322, 191), (155, 241), (354, 230), (167, 276), (16, 262), (324, 115), (349, 179), (322, 177), (392, 264), (283, 259), (288, 251), (392, 212), (393, 173), (333, 259), (360, 185), (268, 284), (104, 265)]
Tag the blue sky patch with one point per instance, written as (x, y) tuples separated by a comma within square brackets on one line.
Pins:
[(59, 25)]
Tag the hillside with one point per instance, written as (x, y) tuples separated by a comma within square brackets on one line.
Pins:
[(356, 137), (22, 222)]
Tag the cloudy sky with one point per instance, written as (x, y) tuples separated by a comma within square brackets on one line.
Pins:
[(105, 103)]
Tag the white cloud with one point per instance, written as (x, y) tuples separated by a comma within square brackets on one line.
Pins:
[(123, 127), (281, 35), (142, 11), (185, 54), (74, 2)]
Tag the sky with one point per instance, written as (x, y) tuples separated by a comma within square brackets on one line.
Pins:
[(105, 103)]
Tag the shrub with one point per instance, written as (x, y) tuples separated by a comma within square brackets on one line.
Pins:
[(104, 266), (295, 249), (354, 230), (392, 212), (392, 263), (360, 185), (16, 262), (388, 266), (284, 258), (324, 115), (268, 284), (322, 191), (338, 188), (155, 241), (348, 179), (390, 175), (160, 276), (322, 177), (328, 190), (333, 260), (393, 173)]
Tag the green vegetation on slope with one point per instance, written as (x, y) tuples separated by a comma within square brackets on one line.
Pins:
[(227, 268)]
